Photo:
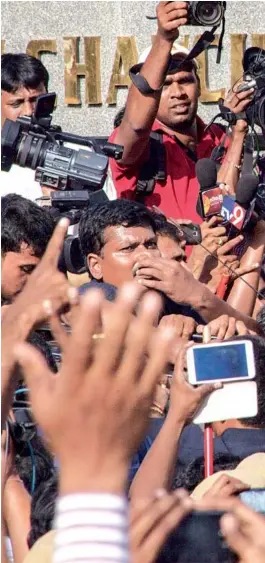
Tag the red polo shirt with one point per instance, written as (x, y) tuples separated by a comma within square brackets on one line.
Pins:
[(177, 196)]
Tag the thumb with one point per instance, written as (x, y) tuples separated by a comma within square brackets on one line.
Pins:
[(208, 388), (235, 539), (34, 367)]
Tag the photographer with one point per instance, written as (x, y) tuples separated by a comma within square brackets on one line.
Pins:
[(23, 79), (170, 108)]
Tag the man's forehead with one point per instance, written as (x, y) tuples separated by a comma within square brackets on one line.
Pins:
[(25, 93), (26, 253), (121, 232)]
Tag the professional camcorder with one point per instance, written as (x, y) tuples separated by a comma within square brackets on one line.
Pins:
[(206, 13), (254, 77), (32, 142)]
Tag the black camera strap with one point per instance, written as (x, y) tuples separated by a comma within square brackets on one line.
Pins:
[(176, 65)]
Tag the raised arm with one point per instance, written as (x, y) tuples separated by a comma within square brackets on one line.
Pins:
[(157, 469), (141, 110), (241, 297)]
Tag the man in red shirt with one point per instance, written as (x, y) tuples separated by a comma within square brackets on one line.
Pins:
[(170, 107)]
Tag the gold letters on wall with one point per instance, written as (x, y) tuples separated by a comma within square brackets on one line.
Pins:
[(125, 56), (38, 46), (90, 69)]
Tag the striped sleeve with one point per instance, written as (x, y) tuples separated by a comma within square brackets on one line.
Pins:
[(91, 528)]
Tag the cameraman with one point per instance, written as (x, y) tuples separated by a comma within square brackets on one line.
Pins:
[(23, 79), (171, 110)]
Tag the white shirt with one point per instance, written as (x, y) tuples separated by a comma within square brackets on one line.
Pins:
[(20, 181)]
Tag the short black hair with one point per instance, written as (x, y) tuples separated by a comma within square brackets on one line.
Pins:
[(97, 218), (42, 509), (258, 342), (24, 221), (164, 228), (193, 474), (21, 70)]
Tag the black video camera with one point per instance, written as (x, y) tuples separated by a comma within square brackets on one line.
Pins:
[(32, 142), (206, 13), (254, 77)]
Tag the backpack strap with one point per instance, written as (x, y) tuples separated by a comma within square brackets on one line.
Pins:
[(153, 169)]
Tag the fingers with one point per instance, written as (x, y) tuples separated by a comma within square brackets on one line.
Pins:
[(56, 243), (169, 521), (226, 486), (151, 284), (138, 336), (241, 328), (148, 273), (85, 323), (225, 249), (180, 364), (35, 370), (59, 332), (155, 521), (160, 348), (110, 350), (242, 270), (204, 390), (235, 539)]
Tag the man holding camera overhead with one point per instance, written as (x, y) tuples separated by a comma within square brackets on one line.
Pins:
[(166, 102)]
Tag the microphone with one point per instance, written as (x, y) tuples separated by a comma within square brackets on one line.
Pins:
[(210, 196), (239, 210)]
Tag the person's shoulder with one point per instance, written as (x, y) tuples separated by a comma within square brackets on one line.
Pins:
[(241, 441)]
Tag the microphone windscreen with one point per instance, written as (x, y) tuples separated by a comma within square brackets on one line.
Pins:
[(206, 172), (246, 189)]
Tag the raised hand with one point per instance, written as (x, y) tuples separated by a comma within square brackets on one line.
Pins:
[(170, 16), (95, 411), (185, 399), (47, 290), (153, 520)]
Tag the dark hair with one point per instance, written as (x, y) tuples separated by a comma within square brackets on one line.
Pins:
[(42, 509), (164, 228), (21, 70), (193, 473), (97, 218), (24, 221), (261, 319), (258, 342)]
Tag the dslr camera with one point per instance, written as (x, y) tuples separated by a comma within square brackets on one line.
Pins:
[(206, 13)]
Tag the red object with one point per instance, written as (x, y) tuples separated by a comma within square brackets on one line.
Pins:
[(222, 287), (208, 450), (177, 196)]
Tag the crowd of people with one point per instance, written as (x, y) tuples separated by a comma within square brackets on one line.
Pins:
[(101, 459)]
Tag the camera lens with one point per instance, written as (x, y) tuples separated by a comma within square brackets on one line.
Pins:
[(208, 13), (31, 151)]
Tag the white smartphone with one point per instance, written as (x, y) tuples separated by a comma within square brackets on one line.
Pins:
[(223, 361)]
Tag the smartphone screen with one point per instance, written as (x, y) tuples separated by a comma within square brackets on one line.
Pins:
[(221, 362)]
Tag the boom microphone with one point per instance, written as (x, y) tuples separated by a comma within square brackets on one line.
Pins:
[(210, 196)]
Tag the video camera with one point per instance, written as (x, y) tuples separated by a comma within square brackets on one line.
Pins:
[(254, 77), (32, 142)]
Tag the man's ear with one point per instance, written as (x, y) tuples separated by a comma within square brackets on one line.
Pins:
[(94, 263)]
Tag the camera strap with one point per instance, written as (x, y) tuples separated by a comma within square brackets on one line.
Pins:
[(176, 65)]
